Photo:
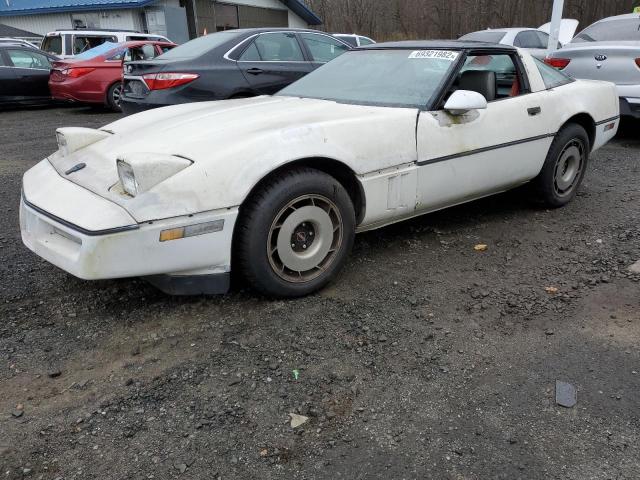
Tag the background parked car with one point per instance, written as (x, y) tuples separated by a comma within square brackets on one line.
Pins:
[(230, 64), (24, 74), (69, 43), (607, 50), (353, 39), (535, 40), (16, 41), (95, 76)]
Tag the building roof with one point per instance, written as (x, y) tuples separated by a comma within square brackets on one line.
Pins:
[(31, 7), (8, 31), (300, 8)]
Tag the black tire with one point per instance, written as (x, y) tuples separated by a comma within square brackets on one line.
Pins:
[(113, 97), (556, 184), (295, 201)]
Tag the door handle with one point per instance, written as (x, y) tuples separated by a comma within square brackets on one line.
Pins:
[(255, 71), (534, 111)]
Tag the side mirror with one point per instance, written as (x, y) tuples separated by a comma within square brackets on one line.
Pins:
[(463, 101)]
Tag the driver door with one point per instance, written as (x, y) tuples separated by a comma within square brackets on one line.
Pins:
[(469, 156)]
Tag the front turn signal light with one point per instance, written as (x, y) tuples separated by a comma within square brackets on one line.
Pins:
[(191, 230)]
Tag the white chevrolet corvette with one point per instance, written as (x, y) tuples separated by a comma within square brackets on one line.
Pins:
[(275, 188)]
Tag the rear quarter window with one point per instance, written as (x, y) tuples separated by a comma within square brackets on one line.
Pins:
[(620, 30), (550, 76)]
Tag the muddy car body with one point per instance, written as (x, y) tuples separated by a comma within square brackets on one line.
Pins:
[(276, 187)]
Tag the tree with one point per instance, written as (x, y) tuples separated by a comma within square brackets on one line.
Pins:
[(425, 19)]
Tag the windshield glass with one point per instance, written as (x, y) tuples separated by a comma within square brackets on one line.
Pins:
[(611, 31), (486, 36), (199, 46), (103, 49), (393, 78)]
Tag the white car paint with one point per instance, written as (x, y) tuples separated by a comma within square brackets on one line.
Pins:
[(354, 40), (84, 223), (568, 27)]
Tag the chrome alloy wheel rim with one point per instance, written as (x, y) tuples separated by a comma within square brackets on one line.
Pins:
[(568, 168), (305, 238)]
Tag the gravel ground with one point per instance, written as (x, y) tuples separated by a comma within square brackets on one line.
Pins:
[(426, 359)]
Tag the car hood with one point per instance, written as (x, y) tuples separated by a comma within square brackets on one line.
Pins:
[(231, 137)]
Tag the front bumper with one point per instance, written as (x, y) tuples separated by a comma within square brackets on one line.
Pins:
[(192, 265)]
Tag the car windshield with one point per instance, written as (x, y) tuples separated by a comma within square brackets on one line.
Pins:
[(102, 49), (199, 46), (392, 78), (490, 36), (611, 31)]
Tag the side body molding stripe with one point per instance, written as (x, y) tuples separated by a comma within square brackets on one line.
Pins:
[(484, 149)]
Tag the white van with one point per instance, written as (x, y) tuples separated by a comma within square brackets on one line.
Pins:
[(69, 43)]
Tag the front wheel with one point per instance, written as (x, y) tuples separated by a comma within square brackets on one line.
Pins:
[(295, 233), (564, 167)]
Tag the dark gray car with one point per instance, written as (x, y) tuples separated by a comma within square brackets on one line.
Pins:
[(24, 74), (230, 64), (607, 50)]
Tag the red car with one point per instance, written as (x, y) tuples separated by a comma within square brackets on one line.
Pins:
[(95, 76)]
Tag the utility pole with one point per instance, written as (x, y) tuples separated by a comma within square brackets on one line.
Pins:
[(556, 20)]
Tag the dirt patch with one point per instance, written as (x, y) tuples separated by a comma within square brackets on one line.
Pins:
[(426, 359)]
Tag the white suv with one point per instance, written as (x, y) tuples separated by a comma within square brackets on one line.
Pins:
[(69, 43)]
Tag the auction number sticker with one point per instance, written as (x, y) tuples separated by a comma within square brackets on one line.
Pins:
[(440, 54)]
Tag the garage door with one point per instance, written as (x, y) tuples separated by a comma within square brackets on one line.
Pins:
[(253, 17)]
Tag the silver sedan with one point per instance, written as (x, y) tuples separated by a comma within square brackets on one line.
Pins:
[(607, 50)]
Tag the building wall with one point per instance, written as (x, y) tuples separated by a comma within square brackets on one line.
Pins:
[(48, 22), (297, 22), (165, 17), (40, 24)]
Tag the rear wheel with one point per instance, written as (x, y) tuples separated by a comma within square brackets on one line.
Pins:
[(113, 97), (295, 233), (565, 166)]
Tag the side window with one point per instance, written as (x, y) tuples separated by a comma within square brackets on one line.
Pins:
[(143, 52), (494, 76), (353, 41), (550, 76), (82, 43), (543, 39), (53, 45), (251, 54), (527, 39), (279, 47), (119, 55), (366, 41), (24, 59), (322, 47), (3, 63)]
